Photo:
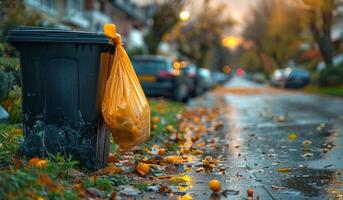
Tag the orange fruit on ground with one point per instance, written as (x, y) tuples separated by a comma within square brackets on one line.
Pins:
[(41, 163), (33, 161), (250, 192), (156, 119), (153, 127), (142, 169), (214, 185), (162, 151)]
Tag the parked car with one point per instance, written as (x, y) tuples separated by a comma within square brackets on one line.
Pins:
[(259, 77), (159, 78), (291, 77), (205, 79), (191, 73), (219, 77)]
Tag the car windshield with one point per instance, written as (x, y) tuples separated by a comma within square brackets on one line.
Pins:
[(205, 72), (148, 66), (299, 72), (190, 69)]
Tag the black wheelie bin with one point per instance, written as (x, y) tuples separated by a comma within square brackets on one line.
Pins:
[(64, 76)]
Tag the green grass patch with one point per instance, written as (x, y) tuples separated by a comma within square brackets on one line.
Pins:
[(59, 178), (332, 91), (166, 111)]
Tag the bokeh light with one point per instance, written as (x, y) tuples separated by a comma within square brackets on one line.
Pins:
[(232, 42), (184, 15)]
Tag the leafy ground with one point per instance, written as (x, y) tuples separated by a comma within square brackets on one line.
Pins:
[(154, 166), (333, 91)]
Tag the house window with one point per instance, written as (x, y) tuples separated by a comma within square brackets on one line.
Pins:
[(48, 6), (75, 5), (72, 7)]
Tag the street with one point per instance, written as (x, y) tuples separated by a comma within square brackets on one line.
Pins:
[(172, 99), (265, 129)]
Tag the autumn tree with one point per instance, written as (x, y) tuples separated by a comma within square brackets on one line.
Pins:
[(164, 19), (15, 13), (319, 18), (197, 37), (275, 30)]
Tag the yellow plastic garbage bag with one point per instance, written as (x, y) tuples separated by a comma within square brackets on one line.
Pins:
[(125, 108)]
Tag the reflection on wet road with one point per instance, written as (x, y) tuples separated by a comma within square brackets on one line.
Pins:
[(283, 144)]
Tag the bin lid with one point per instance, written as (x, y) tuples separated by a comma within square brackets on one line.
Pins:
[(40, 34)]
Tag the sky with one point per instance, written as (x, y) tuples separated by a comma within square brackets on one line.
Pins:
[(238, 9)]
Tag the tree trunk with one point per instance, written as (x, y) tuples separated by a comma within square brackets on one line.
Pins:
[(326, 50), (323, 37)]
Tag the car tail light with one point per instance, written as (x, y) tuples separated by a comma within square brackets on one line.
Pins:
[(191, 74), (166, 74)]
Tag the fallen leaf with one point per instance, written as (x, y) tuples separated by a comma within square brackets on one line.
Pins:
[(226, 193), (165, 189), (250, 192), (180, 179), (170, 128), (37, 162), (200, 169), (75, 173), (292, 136), (307, 142), (44, 179), (283, 169), (17, 162), (110, 169), (172, 159), (275, 187), (185, 197), (111, 158), (307, 155), (94, 191), (281, 118)]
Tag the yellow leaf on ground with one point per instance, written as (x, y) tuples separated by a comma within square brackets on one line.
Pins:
[(172, 159), (110, 169), (185, 197), (170, 128), (180, 179), (292, 136), (307, 142), (283, 169)]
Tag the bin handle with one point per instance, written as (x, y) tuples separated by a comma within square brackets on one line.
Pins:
[(110, 30)]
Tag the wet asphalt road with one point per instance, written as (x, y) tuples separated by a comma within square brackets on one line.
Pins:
[(257, 125)]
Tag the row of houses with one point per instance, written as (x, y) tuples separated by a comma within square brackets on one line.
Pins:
[(89, 15)]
